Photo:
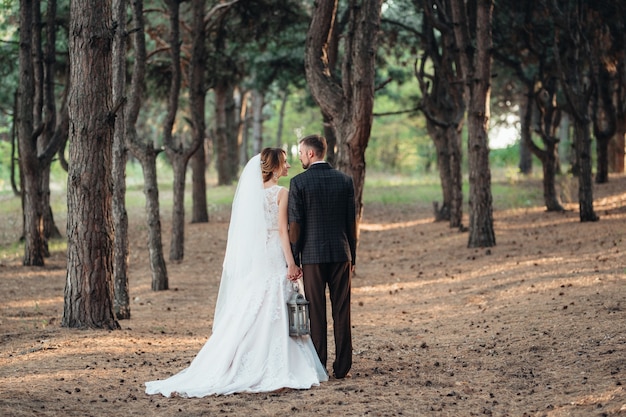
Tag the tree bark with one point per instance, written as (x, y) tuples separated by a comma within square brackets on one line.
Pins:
[(145, 152), (258, 101), (52, 134), (197, 97), (476, 65), (348, 105), (121, 304), (235, 133), (221, 139), (574, 75), (547, 123), (582, 143), (242, 110), (27, 144), (44, 130), (443, 104), (160, 279), (617, 146), (174, 148), (199, 209), (15, 146), (177, 151), (281, 118), (89, 285), (177, 240), (225, 135), (332, 55), (525, 154), (604, 120)]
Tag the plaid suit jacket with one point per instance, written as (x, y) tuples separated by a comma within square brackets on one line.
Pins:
[(322, 216)]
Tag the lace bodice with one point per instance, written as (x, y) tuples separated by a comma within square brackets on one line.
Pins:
[(271, 207)]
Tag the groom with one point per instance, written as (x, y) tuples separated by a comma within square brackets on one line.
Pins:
[(322, 232)]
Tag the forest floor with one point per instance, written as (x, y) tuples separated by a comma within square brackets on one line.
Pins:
[(535, 326)]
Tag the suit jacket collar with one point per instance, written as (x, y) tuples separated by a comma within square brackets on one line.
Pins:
[(320, 164)]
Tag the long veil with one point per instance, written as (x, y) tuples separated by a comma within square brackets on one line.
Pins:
[(245, 256)]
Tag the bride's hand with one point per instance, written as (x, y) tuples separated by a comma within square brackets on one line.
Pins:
[(294, 272)]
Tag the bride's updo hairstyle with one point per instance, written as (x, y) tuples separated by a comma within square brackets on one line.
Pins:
[(271, 160)]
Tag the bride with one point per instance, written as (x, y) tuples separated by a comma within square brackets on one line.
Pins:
[(250, 349)]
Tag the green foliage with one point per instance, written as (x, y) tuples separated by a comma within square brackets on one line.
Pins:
[(381, 187), (399, 142), (5, 166), (9, 51), (505, 157), (301, 118), (401, 189)]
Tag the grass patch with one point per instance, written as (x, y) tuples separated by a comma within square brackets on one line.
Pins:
[(509, 191)]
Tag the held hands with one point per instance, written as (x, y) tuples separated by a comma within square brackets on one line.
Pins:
[(294, 273)]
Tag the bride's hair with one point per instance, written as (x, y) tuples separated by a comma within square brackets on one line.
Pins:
[(271, 160)]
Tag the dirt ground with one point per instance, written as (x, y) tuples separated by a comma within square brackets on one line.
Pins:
[(535, 326)]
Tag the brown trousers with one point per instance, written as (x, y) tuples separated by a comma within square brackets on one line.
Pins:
[(337, 277)]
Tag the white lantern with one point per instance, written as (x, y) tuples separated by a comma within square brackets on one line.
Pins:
[(298, 308)]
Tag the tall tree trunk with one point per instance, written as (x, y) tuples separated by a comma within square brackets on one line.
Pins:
[(15, 146), (44, 112), (476, 65), (443, 104), (348, 105), (456, 177), (242, 106), (29, 164), (332, 56), (89, 285), (224, 171), (447, 140), (199, 209), (604, 120), (547, 123), (602, 158), (617, 147), (525, 154), (582, 142), (46, 135), (50, 229), (177, 240), (177, 151), (46, 129), (160, 279), (197, 97), (145, 152), (281, 118), (174, 146), (38, 67), (331, 140), (443, 163), (121, 304), (258, 102), (234, 132), (575, 74), (549, 166)]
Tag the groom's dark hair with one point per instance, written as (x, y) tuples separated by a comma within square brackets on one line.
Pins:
[(317, 143)]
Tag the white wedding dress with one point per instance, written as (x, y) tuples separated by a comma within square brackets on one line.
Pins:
[(250, 349)]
